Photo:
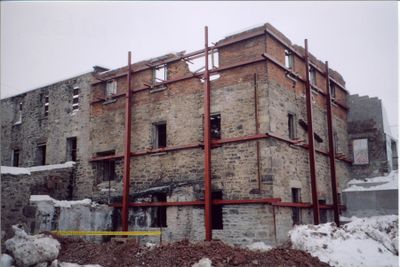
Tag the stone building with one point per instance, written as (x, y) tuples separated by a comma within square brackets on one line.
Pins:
[(373, 147), (259, 132), (48, 125)]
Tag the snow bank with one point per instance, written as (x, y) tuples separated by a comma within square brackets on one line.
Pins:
[(19, 170), (370, 242), (29, 250), (204, 262), (60, 203), (388, 182), (259, 246)]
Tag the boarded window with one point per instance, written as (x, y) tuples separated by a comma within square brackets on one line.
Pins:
[(46, 105), (41, 154), (323, 213), (111, 88), (288, 59), (15, 158), (292, 125), (215, 126), (159, 134), (360, 151), (159, 214), (296, 212), (71, 148), (75, 99), (217, 220)]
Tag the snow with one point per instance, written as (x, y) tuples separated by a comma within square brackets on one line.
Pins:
[(6, 260), (67, 264), (369, 242), (388, 182), (259, 246), (60, 203), (204, 262), (19, 170)]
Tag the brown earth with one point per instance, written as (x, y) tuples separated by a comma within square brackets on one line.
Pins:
[(183, 253)]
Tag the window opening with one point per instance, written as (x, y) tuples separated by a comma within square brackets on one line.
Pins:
[(313, 77), (19, 114), (332, 88), (292, 125), (215, 126), (159, 135), (288, 59), (41, 154), (75, 98), (111, 88), (71, 148), (217, 220), (159, 214), (106, 167), (323, 213), (296, 212), (15, 158), (46, 105), (160, 74)]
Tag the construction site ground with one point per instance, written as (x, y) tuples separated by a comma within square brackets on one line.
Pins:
[(183, 253)]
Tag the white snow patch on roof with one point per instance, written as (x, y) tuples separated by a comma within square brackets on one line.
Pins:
[(388, 182), (60, 203), (19, 170), (363, 242)]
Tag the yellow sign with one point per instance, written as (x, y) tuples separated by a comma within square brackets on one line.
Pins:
[(128, 233)]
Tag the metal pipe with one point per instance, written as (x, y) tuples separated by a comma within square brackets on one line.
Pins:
[(207, 146), (311, 147), (257, 124), (127, 150), (331, 148)]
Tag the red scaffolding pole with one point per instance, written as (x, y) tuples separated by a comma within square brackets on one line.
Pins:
[(127, 149), (332, 151), (207, 147), (311, 149)]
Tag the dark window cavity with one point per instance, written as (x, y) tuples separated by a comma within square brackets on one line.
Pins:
[(41, 154), (159, 214), (217, 221), (71, 148), (159, 135), (106, 168), (323, 213), (215, 126), (296, 213), (15, 158)]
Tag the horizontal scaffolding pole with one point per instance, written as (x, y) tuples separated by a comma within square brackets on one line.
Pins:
[(217, 143)]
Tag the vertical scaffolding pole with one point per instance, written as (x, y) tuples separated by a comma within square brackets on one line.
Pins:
[(207, 146), (127, 149), (311, 147), (332, 151)]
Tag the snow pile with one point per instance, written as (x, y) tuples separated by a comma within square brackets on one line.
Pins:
[(259, 246), (55, 263), (363, 242), (204, 262), (6, 260), (388, 182), (60, 203), (19, 170), (29, 250)]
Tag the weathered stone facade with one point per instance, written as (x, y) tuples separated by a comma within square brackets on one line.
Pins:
[(367, 120), (234, 164), (31, 129)]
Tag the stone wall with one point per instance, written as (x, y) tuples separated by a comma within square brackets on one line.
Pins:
[(17, 188), (52, 130)]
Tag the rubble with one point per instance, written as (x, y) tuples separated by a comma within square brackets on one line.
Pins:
[(28, 250)]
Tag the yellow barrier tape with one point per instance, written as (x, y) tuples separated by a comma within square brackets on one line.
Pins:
[(129, 233)]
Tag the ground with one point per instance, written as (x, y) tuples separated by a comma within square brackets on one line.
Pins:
[(181, 253)]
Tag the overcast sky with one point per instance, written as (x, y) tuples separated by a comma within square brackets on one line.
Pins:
[(43, 42)]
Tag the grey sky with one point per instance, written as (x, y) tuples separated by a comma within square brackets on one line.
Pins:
[(43, 42)]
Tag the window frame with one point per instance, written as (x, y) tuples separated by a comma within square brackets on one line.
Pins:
[(292, 129), (111, 88), (289, 59), (156, 134), (312, 73), (75, 98)]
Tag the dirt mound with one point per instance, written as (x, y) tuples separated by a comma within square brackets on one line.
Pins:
[(183, 253)]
